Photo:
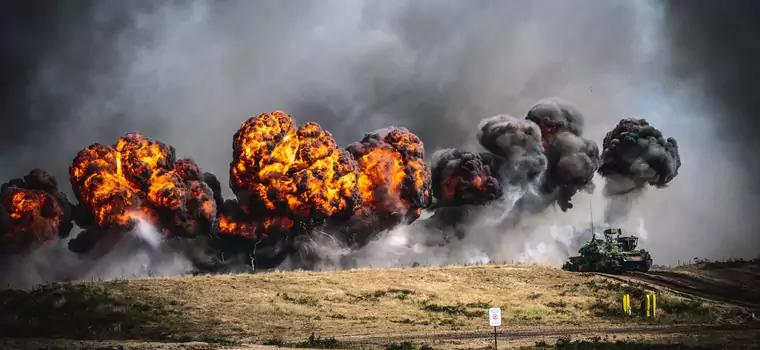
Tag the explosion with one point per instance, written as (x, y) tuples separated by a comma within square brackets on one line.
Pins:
[(138, 178), (292, 183), (461, 178), (572, 160), (282, 176), (32, 212), (518, 142), (394, 178), (635, 154), (554, 115)]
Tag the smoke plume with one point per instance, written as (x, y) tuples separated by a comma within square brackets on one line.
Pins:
[(572, 159), (519, 142), (189, 73), (461, 177), (635, 155)]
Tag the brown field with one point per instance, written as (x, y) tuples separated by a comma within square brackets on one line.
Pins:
[(445, 307)]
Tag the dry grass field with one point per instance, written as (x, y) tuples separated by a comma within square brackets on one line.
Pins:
[(375, 306)]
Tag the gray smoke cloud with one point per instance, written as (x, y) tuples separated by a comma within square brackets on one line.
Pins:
[(555, 114), (461, 177), (635, 155), (519, 142), (140, 254), (572, 159), (189, 73)]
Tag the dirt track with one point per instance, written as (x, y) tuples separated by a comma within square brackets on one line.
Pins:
[(506, 338), (688, 286), (508, 335)]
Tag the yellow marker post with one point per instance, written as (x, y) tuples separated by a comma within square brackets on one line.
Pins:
[(626, 303), (648, 304), (654, 305)]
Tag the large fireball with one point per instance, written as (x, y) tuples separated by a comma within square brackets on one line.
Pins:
[(140, 178), (282, 176), (394, 177), (32, 212)]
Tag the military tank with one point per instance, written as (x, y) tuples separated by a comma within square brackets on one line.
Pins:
[(613, 254)]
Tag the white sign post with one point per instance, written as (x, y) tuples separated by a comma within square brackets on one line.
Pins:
[(494, 319)]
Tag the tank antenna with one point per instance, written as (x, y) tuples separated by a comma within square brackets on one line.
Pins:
[(591, 213)]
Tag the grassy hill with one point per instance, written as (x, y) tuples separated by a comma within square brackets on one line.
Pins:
[(358, 305)]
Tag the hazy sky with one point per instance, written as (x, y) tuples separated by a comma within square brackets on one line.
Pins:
[(190, 72)]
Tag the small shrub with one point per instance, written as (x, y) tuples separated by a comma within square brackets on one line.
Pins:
[(274, 342), (603, 308), (479, 305), (407, 346), (307, 300), (598, 343), (676, 305), (557, 304), (401, 294), (320, 343), (451, 310), (187, 339), (404, 321)]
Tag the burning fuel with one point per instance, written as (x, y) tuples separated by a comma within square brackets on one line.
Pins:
[(288, 181), (282, 176), (394, 178), (138, 178), (32, 212), (292, 183), (461, 177)]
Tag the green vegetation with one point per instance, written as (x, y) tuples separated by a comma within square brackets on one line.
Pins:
[(597, 344), (305, 300), (408, 346), (453, 310), (311, 343), (220, 341)]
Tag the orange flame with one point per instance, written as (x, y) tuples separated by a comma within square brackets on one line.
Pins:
[(293, 175), (98, 181), (35, 217), (394, 177), (228, 226), (451, 184), (138, 176)]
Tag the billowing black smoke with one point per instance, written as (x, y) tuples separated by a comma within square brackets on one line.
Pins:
[(461, 177), (572, 159), (406, 65), (635, 154), (518, 142)]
